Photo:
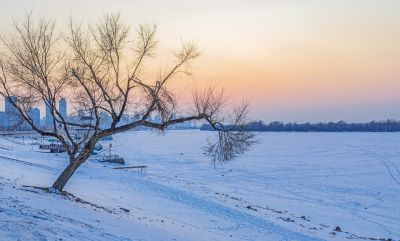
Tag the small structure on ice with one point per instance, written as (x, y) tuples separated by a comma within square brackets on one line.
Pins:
[(112, 159), (54, 148)]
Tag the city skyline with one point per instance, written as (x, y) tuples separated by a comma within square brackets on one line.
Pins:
[(10, 119)]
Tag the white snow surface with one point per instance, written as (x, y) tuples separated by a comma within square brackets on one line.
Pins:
[(290, 186)]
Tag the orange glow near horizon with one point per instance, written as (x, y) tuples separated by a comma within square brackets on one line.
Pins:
[(295, 60)]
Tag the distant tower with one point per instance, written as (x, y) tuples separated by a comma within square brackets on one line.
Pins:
[(11, 113), (34, 114), (62, 108), (2, 119), (49, 117)]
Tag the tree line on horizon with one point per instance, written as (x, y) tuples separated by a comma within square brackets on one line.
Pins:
[(340, 126)]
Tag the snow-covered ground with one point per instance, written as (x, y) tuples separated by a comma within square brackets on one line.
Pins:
[(290, 186)]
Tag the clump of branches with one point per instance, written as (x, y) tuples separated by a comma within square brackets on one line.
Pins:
[(99, 68), (232, 140)]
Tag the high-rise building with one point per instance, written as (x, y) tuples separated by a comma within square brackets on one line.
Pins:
[(62, 108), (2, 119), (49, 117), (12, 116), (34, 114)]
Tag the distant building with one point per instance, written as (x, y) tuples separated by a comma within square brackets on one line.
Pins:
[(183, 125), (49, 117), (2, 119), (34, 114), (85, 117), (62, 108), (105, 120), (124, 119), (12, 116), (81, 113)]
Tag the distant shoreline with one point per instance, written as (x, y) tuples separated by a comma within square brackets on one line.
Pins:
[(340, 126)]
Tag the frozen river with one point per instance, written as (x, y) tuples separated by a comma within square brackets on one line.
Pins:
[(290, 186)]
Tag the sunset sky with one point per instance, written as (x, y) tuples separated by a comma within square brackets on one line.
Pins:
[(295, 60)]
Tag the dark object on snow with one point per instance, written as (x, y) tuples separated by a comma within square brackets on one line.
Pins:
[(112, 159), (288, 220), (54, 148), (337, 229), (251, 208), (125, 210), (98, 147), (142, 169), (57, 148)]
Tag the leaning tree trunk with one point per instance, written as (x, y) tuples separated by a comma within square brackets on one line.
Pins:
[(62, 180)]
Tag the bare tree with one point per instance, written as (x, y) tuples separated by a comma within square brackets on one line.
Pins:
[(99, 68)]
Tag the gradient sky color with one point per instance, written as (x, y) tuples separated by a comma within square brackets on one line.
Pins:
[(295, 60)]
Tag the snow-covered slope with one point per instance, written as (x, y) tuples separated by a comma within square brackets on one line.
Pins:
[(291, 186), (31, 214)]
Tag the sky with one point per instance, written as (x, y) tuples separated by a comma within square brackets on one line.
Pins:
[(294, 60)]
